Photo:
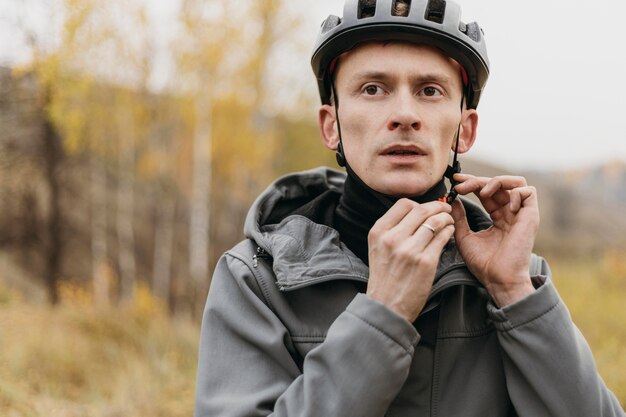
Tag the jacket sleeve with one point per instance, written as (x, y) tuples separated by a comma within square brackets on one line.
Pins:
[(246, 367), (549, 368)]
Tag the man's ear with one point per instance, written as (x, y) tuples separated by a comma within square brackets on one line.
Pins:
[(467, 134), (326, 121)]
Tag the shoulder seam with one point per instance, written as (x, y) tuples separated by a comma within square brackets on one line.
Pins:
[(259, 280)]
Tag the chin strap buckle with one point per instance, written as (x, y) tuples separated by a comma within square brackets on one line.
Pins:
[(455, 168)]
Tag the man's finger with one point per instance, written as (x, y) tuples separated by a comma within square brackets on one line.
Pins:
[(490, 203), (487, 186), (404, 217), (437, 243), (418, 215), (395, 214), (493, 193), (504, 182), (472, 184), (433, 225), (496, 201), (461, 226), (432, 250), (523, 197), (469, 183)]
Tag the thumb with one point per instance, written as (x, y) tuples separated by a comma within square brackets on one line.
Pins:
[(461, 227)]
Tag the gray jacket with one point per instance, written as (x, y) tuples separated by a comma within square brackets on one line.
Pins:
[(287, 331)]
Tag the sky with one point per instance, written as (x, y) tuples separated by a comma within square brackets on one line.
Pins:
[(556, 96)]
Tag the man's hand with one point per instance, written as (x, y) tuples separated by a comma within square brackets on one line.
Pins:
[(404, 249), (499, 256)]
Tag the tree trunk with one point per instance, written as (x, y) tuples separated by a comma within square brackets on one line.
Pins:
[(163, 192), (163, 245), (200, 210), (125, 210), (99, 261), (54, 243)]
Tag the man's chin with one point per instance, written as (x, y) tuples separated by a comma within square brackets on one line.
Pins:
[(400, 183)]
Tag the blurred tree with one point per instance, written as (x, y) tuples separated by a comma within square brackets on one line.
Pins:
[(132, 112), (99, 111), (45, 67), (210, 34), (203, 146), (226, 60), (160, 166)]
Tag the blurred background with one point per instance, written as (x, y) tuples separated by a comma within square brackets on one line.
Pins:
[(134, 135)]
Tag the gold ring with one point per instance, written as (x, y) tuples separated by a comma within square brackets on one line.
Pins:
[(429, 227)]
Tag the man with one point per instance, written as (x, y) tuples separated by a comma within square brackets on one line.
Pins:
[(378, 293)]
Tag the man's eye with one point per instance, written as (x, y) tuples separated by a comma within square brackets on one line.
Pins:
[(431, 92), (372, 90)]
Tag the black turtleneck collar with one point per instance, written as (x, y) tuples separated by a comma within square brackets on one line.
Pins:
[(360, 207)]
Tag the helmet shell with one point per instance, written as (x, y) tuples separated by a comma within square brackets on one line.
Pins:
[(432, 22)]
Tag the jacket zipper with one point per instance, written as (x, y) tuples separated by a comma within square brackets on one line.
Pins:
[(260, 253)]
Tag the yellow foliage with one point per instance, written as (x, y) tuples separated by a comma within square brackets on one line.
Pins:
[(75, 360), (595, 294), (71, 293), (8, 295), (615, 264), (145, 305)]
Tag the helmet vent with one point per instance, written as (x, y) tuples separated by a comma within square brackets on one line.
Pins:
[(367, 8), (474, 31), (330, 23), (436, 10), (401, 8)]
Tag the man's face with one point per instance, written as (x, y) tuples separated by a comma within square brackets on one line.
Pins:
[(399, 110)]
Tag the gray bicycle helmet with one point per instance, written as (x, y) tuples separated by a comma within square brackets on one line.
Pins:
[(432, 22)]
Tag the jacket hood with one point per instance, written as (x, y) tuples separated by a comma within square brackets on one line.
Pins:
[(304, 251)]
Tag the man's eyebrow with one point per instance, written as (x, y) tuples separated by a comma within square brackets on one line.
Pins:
[(433, 78), (420, 78), (375, 75)]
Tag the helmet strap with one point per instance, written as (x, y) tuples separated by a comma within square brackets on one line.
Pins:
[(455, 168), (340, 156)]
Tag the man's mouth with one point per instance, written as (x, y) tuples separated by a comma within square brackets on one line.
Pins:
[(401, 153), (403, 150)]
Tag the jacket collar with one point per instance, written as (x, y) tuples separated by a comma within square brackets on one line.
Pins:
[(305, 252)]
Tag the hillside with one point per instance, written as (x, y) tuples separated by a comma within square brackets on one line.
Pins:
[(582, 211), (605, 183)]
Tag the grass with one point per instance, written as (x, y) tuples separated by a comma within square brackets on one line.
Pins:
[(76, 360), (595, 293)]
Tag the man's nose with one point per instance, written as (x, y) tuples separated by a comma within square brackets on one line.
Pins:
[(404, 113)]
